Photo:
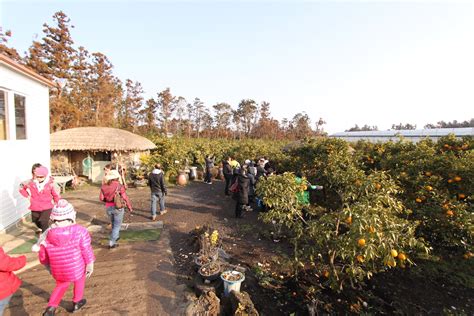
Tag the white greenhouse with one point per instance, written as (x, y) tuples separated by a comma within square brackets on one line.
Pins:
[(411, 135)]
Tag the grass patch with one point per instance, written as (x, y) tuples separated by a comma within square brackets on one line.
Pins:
[(23, 248), (137, 235), (140, 235)]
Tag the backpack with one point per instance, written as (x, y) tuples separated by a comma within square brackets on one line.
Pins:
[(234, 188), (118, 199)]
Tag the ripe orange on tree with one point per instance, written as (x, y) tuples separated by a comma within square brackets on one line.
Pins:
[(394, 253), (429, 188), (428, 173), (449, 213), (402, 256), (457, 178), (360, 258), (361, 242), (461, 196), (349, 220), (418, 200)]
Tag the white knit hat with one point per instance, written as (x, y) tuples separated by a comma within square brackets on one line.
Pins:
[(113, 174), (63, 210)]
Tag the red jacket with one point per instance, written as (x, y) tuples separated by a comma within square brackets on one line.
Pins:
[(40, 201), (9, 282), (107, 193), (67, 250)]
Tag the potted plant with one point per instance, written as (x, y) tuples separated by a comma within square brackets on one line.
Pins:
[(210, 271)]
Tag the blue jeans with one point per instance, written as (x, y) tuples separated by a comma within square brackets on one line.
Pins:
[(116, 218), (155, 197), (4, 303)]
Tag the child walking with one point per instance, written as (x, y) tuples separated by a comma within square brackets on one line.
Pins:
[(67, 254), (41, 193)]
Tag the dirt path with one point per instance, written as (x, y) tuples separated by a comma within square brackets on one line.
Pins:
[(144, 278)]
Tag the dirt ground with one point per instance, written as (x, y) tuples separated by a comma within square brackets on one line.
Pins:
[(151, 278), (156, 278)]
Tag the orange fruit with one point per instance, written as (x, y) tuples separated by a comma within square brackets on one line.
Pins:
[(402, 256), (428, 174), (429, 188), (461, 196), (360, 258), (418, 200), (391, 263), (449, 213), (394, 253), (378, 186), (361, 242), (457, 178), (349, 220), (450, 180)]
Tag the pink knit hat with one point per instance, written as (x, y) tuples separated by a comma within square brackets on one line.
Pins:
[(63, 210), (41, 171)]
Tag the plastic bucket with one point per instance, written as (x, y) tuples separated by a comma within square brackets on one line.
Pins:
[(192, 173), (230, 286)]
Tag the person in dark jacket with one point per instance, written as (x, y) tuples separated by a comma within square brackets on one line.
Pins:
[(209, 165), (9, 282), (242, 196), (158, 191), (227, 170)]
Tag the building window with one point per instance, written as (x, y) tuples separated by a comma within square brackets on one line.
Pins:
[(3, 115), (20, 118)]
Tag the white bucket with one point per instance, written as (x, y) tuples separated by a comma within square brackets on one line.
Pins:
[(232, 285)]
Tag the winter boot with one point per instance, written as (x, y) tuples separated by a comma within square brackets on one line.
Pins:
[(50, 310), (79, 305)]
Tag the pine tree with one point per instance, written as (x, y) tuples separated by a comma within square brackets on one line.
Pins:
[(4, 49), (166, 105)]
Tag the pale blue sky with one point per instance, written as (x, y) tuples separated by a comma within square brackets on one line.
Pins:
[(350, 62)]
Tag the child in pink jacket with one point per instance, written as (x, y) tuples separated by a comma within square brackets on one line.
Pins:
[(41, 193), (67, 253)]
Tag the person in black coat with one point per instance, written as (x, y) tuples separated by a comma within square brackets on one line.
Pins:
[(242, 196), (158, 190), (227, 170)]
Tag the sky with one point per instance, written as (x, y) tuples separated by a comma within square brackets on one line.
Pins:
[(348, 62)]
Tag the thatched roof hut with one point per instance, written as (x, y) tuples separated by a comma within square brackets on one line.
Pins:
[(86, 150), (99, 139)]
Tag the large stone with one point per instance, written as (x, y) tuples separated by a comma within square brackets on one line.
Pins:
[(242, 304), (207, 304)]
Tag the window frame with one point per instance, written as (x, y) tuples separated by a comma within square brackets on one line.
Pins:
[(7, 114), (15, 95)]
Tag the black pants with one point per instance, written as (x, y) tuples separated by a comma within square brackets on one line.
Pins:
[(228, 178), (41, 219), (238, 209), (207, 177)]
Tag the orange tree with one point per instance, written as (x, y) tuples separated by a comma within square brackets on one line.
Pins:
[(365, 232), (438, 182)]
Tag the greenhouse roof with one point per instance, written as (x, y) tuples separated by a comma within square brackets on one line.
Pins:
[(434, 132)]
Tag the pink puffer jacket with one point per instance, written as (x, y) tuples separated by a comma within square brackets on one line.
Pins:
[(67, 250)]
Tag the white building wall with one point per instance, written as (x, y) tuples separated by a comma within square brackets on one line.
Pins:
[(17, 156)]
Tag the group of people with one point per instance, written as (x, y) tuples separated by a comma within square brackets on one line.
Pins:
[(64, 247), (241, 180)]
